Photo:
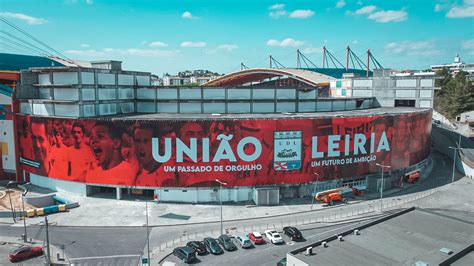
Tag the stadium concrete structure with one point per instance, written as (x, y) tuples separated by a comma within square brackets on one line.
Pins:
[(266, 133)]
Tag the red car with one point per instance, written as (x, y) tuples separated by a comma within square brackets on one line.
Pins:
[(25, 252), (256, 238)]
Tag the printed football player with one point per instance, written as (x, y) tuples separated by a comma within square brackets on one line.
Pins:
[(41, 144), (148, 174), (80, 154), (110, 168)]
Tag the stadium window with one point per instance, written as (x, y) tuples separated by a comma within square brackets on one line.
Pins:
[(405, 103)]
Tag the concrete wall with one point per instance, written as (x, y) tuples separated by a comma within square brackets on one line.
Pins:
[(58, 185), (293, 261), (204, 195), (41, 201), (8, 145)]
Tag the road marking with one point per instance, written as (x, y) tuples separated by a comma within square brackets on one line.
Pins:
[(106, 257)]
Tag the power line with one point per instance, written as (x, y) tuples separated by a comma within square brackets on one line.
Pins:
[(24, 46), (16, 49), (25, 42), (34, 38)]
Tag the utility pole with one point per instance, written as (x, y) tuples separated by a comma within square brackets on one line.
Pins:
[(47, 241), (454, 156), (147, 233), (382, 184), (314, 190), (11, 205), (220, 199), (23, 194), (24, 214)]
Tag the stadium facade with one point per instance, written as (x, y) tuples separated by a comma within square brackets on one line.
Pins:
[(266, 133)]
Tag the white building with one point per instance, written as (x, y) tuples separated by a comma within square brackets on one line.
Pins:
[(391, 87), (455, 67)]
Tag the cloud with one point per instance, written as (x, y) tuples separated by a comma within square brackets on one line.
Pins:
[(157, 44), (365, 10), (122, 52), (389, 16), (188, 15), (277, 14), (25, 18), (460, 12), (312, 50), (193, 44), (288, 42), (223, 47), (468, 46), (85, 45), (381, 16), (340, 4), (438, 8), (228, 47), (302, 14), (415, 48), (276, 6), (278, 10)]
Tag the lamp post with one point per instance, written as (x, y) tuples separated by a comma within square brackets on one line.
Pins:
[(25, 191), (48, 255), (220, 199), (147, 233), (454, 156), (382, 183), (9, 191), (314, 190)]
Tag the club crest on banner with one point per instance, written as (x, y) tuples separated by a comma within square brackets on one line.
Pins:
[(287, 150)]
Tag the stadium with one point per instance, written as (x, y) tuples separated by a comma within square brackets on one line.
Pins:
[(260, 134)]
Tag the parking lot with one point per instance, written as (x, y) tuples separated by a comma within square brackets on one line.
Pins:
[(227, 256), (266, 254)]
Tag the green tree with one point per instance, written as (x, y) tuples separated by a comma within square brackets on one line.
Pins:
[(456, 95)]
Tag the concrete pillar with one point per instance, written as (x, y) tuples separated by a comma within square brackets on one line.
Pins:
[(119, 193), (236, 194)]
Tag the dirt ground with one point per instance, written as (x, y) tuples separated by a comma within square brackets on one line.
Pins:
[(15, 196)]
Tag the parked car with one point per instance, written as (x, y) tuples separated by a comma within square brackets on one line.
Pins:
[(186, 254), (227, 243), (282, 262), (256, 238), (293, 233), (273, 236), (25, 252), (198, 246), (213, 246), (244, 241)]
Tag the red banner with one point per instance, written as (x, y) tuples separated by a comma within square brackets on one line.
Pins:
[(162, 153)]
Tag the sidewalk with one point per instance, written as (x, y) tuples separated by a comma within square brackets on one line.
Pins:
[(108, 212)]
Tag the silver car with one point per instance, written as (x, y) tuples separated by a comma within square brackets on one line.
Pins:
[(244, 241)]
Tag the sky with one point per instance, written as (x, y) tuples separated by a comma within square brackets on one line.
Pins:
[(170, 36)]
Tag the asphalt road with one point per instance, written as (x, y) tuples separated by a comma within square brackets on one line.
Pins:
[(88, 245)]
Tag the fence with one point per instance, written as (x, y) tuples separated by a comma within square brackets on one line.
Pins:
[(350, 212)]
